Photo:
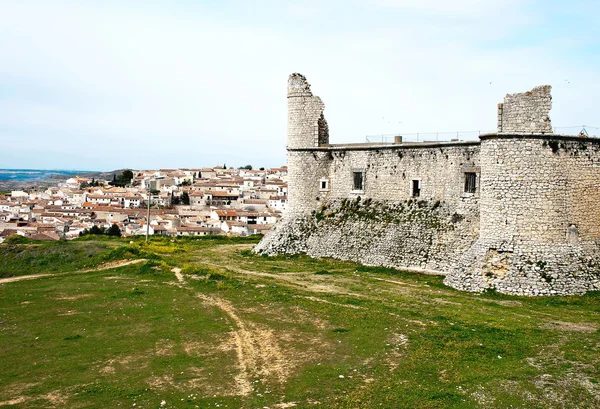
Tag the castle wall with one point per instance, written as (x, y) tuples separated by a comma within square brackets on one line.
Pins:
[(428, 232), (389, 172), (540, 214)]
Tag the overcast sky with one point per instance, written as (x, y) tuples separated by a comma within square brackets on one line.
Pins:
[(108, 84)]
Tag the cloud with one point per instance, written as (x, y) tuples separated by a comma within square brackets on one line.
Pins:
[(151, 84)]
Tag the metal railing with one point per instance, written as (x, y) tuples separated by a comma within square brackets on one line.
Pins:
[(582, 130), (427, 136)]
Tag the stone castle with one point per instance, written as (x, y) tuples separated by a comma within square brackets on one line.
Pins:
[(517, 211)]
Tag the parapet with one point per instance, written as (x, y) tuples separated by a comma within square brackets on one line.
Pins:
[(526, 112), (298, 86)]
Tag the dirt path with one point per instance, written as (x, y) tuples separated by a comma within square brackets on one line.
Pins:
[(178, 274), (101, 267), (300, 280), (258, 352)]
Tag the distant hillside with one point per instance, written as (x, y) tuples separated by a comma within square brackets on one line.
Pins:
[(44, 179)]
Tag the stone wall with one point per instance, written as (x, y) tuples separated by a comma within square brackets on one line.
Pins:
[(526, 112), (429, 232), (416, 235), (540, 217), (388, 172)]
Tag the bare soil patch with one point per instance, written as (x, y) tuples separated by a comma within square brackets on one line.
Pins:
[(587, 327), (261, 351), (105, 266)]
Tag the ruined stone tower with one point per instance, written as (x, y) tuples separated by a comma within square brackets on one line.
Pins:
[(307, 129), (539, 205)]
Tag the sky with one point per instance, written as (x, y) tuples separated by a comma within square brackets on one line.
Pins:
[(146, 84)]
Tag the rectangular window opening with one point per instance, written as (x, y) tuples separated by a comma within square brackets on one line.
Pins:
[(416, 188), (358, 180), (323, 184), (470, 182)]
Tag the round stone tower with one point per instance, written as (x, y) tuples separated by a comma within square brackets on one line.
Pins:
[(539, 212), (307, 127), (307, 130)]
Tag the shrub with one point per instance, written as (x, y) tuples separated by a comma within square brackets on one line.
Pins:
[(18, 239)]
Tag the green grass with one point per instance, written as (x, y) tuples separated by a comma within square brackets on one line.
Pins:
[(318, 333), (23, 258)]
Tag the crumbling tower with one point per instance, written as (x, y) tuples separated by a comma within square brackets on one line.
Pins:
[(526, 112), (539, 219), (307, 129)]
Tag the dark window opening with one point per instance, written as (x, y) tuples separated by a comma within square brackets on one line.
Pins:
[(323, 184), (358, 180), (416, 188), (470, 182)]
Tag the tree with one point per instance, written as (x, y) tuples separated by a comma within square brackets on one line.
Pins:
[(114, 231), (126, 177), (96, 230), (123, 179), (185, 199)]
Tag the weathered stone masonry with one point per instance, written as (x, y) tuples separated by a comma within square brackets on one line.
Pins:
[(518, 211), (526, 112)]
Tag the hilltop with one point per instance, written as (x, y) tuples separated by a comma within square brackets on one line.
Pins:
[(203, 322)]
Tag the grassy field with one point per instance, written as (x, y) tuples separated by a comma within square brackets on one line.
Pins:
[(207, 324)]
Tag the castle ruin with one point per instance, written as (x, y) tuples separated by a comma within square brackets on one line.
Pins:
[(517, 211)]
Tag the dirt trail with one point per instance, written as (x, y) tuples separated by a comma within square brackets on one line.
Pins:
[(178, 274), (301, 280), (257, 349), (101, 267)]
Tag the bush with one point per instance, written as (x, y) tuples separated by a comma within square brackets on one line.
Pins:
[(18, 239), (114, 231)]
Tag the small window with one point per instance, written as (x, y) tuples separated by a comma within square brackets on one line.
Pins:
[(416, 188), (323, 184), (470, 182), (358, 180)]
